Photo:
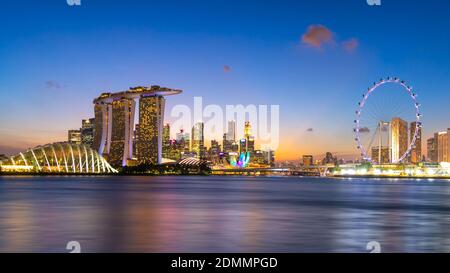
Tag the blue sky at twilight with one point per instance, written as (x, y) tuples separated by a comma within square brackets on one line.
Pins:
[(54, 59)]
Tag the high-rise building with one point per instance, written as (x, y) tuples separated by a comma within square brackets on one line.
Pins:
[(87, 132), (442, 146), (214, 152), (269, 156), (227, 143), (184, 141), (198, 141), (166, 141), (114, 124), (384, 154), (399, 138), (416, 152), (151, 118), (74, 136), (308, 160), (103, 126), (122, 132), (432, 149), (231, 133)]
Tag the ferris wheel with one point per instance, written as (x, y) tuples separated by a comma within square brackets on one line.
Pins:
[(387, 123)]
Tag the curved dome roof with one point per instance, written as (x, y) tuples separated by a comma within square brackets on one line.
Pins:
[(192, 161), (61, 157)]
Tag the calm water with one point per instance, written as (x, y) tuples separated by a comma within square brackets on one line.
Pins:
[(223, 214)]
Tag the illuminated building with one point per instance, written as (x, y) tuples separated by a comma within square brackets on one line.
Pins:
[(135, 140), (74, 136), (231, 133), (227, 144), (416, 152), (214, 152), (247, 130), (329, 159), (114, 124), (308, 160), (62, 157), (151, 118), (442, 146), (87, 132), (198, 144), (384, 154), (184, 141), (243, 145), (432, 149), (269, 156), (399, 138), (122, 132), (166, 143)]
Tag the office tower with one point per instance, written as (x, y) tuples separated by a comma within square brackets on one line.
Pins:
[(416, 152), (166, 141), (442, 146), (243, 145), (151, 118), (103, 126), (385, 151), (432, 149), (269, 156), (247, 130), (87, 132), (74, 136), (183, 140), (122, 132), (308, 160), (399, 138), (226, 143), (198, 145), (214, 152), (115, 112), (231, 133)]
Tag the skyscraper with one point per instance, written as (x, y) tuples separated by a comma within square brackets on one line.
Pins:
[(103, 126), (114, 112), (166, 141), (399, 138), (416, 152), (432, 149), (122, 132), (184, 141), (74, 136), (198, 144), (87, 132), (442, 146), (151, 118), (231, 133)]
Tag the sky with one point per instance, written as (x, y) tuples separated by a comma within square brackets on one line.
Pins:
[(312, 58)]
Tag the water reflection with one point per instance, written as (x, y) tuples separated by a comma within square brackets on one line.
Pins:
[(222, 214)]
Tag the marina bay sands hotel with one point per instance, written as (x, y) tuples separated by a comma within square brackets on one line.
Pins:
[(114, 124)]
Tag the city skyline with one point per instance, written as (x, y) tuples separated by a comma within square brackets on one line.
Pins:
[(264, 59)]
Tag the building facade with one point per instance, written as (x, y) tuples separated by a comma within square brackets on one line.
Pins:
[(87, 132), (198, 140), (399, 138), (74, 136), (151, 118)]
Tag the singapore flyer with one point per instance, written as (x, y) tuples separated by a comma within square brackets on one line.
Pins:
[(388, 122)]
